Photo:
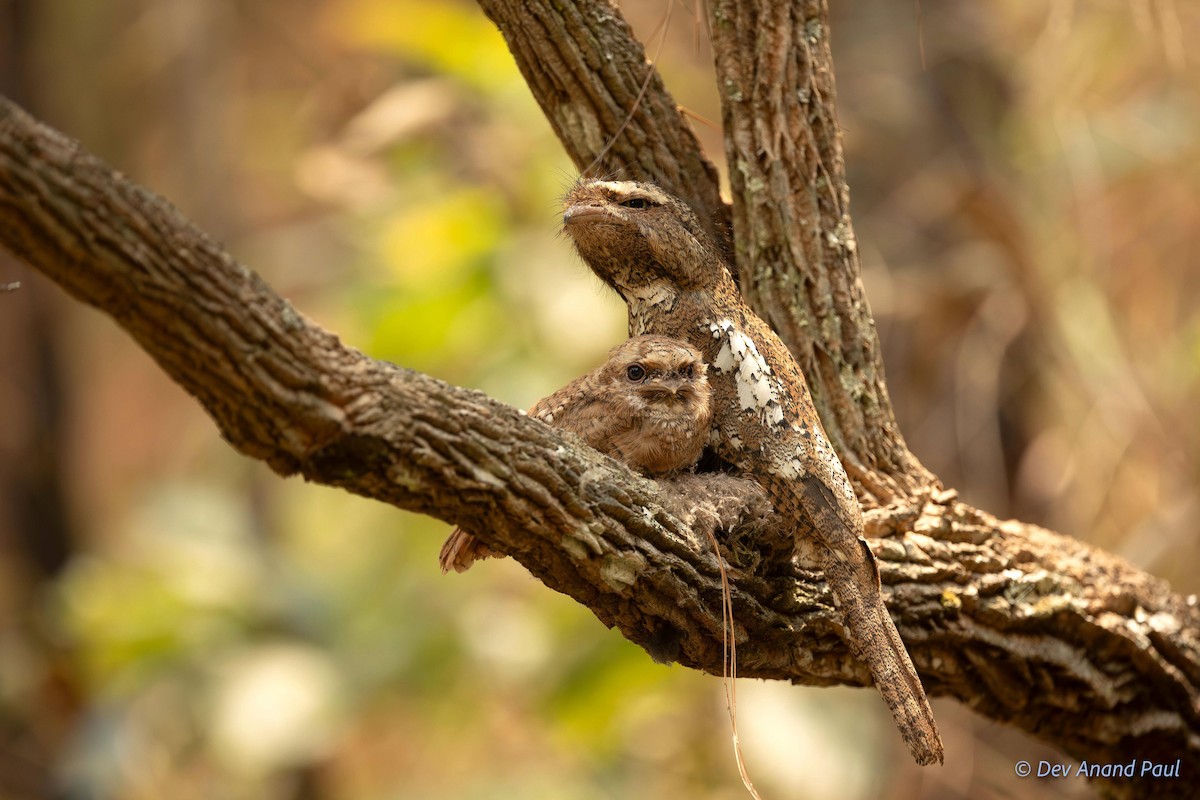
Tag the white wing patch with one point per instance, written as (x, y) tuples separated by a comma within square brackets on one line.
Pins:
[(791, 469), (757, 389)]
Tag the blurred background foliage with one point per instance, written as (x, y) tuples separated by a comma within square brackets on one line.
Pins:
[(176, 621)]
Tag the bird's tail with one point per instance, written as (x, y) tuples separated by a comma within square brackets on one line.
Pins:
[(874, 639)]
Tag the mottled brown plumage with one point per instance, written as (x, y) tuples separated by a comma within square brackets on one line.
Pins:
[(647, 405), (650, 248)]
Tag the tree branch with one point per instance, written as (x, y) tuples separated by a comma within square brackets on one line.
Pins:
[(1024, 625), (284, 391), (795, 246), (586, 70)]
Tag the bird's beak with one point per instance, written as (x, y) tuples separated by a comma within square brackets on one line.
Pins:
[(582, 212), (669, 389)]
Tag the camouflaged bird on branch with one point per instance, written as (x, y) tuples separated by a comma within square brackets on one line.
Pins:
[(650, 248)]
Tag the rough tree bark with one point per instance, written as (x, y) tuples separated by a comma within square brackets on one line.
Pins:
[(1024, 625)]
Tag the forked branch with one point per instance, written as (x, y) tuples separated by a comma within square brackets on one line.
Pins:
[(1025, 625)]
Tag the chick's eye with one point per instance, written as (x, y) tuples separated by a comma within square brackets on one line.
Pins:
[(688, 372), (635, 372), (636, 202)]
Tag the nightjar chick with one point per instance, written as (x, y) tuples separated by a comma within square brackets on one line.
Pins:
[(649, 405)]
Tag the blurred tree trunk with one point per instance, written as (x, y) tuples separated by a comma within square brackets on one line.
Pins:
[(32, 507), (35, 535), (1025, 626)]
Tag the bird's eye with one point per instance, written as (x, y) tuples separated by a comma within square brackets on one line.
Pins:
[(688, 372), (635, 372), (636, 202)]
